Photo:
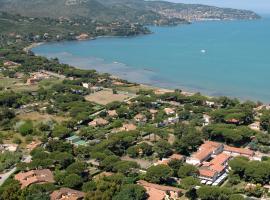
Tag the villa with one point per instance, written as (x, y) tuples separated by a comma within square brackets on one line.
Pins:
[(98, 122), (34, 176), (128, 127), (140, 118), (112, 113), (165, 161), (160, 192), (169, 111), (67, 194)]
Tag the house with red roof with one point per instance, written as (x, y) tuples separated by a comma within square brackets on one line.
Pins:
[(160, 192)]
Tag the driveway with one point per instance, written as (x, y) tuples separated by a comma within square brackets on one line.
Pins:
[(5, 176)]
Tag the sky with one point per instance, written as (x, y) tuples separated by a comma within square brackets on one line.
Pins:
[(259, 6)]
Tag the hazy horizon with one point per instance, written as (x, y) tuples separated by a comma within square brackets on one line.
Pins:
[(259, 6)]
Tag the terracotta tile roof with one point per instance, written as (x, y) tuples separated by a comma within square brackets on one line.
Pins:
[(241, 151), (67, 194), (153, 111), (140, 117), (34, 176), (207, 173), (33, 145), (128, 127), (159, 187), (206, 150), (169, 111), (112, 113), (163, 162), (220, 159), (176, 157), (98, 122)]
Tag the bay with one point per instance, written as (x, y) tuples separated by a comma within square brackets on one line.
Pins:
[(216, 58)]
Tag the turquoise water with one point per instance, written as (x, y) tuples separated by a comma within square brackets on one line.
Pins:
[(215, 58)]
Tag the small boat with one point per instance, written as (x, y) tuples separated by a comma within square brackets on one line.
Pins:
[(203, 51)]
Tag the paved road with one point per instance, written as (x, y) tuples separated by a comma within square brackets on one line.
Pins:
[(5, 176)]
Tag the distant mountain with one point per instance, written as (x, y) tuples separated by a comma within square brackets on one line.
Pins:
[(146, 12)]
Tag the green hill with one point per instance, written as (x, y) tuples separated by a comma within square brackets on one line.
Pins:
[(146, 12)]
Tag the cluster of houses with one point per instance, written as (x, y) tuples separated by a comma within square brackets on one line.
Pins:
[(92, 88), (46, 176), (37, 77)]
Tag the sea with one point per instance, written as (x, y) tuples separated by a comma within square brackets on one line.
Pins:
[(215, 58)]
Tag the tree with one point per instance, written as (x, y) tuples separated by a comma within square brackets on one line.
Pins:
[(108, 163), (132, 191), (10, 190), (187, 170), (73, 181), (236, 197), (64, 159), (213, 193), (89, 186), (26, 128), (158, 174), (175, 165), (124, 167), (76, 168), (162, 148), (190, 182), (60, 131)]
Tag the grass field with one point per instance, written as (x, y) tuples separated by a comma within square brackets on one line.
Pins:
[(106, 96), (18, 85), (38, 117)]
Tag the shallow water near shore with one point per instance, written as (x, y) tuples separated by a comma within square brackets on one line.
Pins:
[(216, 58)]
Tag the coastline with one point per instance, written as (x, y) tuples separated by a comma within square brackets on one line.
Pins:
[(139, 75), (158, 89), (33, 45), (186, 90)]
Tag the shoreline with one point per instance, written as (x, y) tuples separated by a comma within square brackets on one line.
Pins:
[(116, 71), (185, 90)]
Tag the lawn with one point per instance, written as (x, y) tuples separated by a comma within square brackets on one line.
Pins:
[(106, 96), (36, 116)]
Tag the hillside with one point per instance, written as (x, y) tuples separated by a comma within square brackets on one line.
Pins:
[(146, 12)]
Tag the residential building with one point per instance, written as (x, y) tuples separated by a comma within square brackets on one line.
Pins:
[(234, 151), (128, 127), (112, 113), (169, 111), (212, 170), (140, 118), (212, 159), (67, 194), (8, 147), (34, 176), (160, 192), (165, 161), (256, 126), (206, 119), (34, 144), (205, 152), (98, 122)]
